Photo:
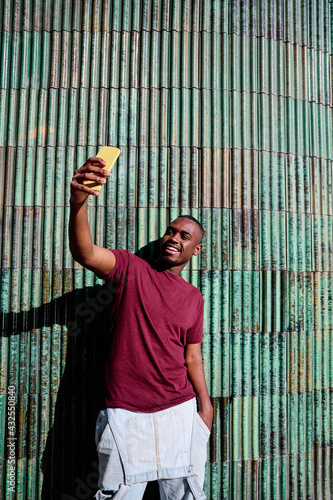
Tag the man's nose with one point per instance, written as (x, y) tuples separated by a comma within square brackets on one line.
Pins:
[(175, 238)]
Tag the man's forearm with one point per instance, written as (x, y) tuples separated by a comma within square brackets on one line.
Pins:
[(196, 375), (97, 259), (80, 240)]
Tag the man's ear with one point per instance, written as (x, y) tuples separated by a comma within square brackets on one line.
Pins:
[(197, 249)]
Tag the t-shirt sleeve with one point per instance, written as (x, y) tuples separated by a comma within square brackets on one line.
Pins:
[(120, 270), (194, 334), (117, 280)]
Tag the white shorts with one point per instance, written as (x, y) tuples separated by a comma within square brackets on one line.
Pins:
[(135, 447)]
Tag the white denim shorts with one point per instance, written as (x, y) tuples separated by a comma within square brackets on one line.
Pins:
[(135, 447)]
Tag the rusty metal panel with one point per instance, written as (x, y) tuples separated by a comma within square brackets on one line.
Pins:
[(221, 109)]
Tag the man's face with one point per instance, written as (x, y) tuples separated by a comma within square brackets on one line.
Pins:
[(181, 240)]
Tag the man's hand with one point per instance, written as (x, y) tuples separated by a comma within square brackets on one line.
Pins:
[(91, 170), (207, 415)]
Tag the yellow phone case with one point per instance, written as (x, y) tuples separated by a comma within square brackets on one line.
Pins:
[(108, 154)]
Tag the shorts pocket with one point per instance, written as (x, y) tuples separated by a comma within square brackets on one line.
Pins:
[(199, 447), (140, 439), (101, 424), (203, 425), (103, 436)]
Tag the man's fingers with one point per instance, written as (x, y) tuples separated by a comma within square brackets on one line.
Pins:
[(86, 168), (82, 187), (82, 176), (94, 161), (92, 170)]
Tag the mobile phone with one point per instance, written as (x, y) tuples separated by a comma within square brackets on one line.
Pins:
[(108, 154)]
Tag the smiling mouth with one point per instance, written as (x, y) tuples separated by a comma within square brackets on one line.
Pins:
[(171, 249)]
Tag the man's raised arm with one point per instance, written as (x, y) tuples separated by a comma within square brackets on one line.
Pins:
[(99, 260)]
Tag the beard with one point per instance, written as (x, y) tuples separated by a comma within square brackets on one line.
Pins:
[(166, 260)]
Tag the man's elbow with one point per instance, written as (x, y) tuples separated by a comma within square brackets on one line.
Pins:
[(193, 360), (79, 256)]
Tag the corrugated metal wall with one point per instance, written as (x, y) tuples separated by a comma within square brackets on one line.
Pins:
[(222, 109)]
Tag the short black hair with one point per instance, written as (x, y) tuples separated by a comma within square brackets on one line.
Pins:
[(194, 220)]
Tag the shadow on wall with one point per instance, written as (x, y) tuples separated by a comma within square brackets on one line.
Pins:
[(69, 461)]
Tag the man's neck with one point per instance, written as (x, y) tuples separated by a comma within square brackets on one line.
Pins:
[(166, 266)]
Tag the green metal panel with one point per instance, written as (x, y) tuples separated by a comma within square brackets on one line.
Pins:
[(221, 109)]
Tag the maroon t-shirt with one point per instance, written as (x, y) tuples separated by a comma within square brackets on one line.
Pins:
[(154, 314)]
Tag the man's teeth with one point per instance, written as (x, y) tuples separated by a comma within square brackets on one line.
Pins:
[(172, 248)]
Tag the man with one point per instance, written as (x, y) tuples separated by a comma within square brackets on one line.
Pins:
[(150, 428)]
